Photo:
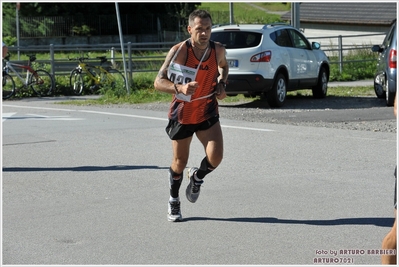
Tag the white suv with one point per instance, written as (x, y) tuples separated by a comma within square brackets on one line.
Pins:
[(269, 60)]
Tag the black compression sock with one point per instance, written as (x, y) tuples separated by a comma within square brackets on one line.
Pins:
[(174, 184), (204, 169)]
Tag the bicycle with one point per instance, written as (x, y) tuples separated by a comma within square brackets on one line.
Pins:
[(40, 81), (96, 76)]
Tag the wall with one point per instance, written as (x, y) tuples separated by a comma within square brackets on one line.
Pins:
[(315, 31)]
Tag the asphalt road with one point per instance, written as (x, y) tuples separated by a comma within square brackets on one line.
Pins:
[(88, 186)]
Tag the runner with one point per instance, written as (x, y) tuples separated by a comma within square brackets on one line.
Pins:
[(195, 71)]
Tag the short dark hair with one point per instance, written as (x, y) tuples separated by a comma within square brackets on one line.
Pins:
[(198, 13)]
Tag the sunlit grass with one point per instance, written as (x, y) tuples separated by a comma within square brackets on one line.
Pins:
[(243, 13)]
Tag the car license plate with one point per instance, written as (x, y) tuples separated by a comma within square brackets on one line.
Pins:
[(233, 63)]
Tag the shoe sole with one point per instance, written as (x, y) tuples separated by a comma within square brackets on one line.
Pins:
[(175, 219)]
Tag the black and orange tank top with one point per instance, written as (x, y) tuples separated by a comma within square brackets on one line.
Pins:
[(203, 104)]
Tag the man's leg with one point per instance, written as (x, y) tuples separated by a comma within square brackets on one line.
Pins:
[(181, 150), (389, 242), (212, 140)]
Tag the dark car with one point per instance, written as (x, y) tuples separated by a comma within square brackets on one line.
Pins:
[(385, 76)]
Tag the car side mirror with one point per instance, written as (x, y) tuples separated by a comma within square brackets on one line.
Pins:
[(315, 45), (377, 48)]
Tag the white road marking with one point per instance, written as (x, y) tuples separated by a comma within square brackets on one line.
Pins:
[(5, 116), (128, 115), (53, 118), (35, 117), (248, 128)]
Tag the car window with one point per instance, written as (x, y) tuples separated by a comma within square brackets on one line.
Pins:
[(388, 38), (237, 39), (281, 38), (300, 41)]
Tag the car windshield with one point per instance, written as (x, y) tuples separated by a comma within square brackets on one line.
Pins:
[(237, 39)]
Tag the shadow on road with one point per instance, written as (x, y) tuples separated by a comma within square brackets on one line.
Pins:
[(382, 222), (308, 102), (81, 168)]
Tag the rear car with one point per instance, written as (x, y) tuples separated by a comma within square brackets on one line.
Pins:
[(269, 60), (385, 76)]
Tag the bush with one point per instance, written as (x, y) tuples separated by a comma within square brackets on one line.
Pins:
[(362, 65)]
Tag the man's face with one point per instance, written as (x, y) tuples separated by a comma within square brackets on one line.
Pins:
[(200, 30)]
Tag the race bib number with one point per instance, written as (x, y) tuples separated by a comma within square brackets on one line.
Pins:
[(179, 74)]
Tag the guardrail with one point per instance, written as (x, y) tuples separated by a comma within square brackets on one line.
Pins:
[(342, 49), (146, 63)]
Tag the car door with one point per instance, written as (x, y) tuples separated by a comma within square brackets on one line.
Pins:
[(286, 54), (304, 60)]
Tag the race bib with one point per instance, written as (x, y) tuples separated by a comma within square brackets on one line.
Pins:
[(180, 74)]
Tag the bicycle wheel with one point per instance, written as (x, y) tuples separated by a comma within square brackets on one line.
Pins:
[(115, 79), (41, 82), (8, 86), (76, 82)]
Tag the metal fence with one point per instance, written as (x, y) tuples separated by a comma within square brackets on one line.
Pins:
[(339, 49), (135, 58)]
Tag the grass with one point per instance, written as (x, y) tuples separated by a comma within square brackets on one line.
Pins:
[(244, 13)]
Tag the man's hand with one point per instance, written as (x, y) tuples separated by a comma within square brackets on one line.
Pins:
[(220, 91), (189, 88)]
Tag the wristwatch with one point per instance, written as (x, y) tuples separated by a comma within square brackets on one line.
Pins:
[(223, 83)]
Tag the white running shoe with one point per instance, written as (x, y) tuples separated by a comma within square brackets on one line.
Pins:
[(174, 214), (193, 188)]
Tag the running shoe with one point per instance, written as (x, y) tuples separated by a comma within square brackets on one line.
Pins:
[(193, 188), (174, 214)]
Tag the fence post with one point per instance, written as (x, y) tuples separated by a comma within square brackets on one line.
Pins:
[(52, 60), (113, 56), (340, 53), (129, 51)]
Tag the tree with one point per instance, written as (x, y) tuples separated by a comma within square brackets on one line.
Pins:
[(61, 9), (181, 11), (170, 14)]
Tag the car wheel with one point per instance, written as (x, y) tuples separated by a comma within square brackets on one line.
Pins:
[(379, 91), (320, 90), (276, 97)]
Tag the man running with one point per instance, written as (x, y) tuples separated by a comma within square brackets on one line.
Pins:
[(195, 71)]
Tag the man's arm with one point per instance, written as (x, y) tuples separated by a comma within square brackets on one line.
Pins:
[(163, 84), (223, 67), (222, 64)]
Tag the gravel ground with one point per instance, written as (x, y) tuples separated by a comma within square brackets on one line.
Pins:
[(352, 113)]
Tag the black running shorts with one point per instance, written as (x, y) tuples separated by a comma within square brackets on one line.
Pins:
[(177, 131)]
